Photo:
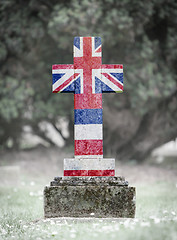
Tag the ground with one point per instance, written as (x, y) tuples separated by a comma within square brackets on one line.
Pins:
[(24, 174)]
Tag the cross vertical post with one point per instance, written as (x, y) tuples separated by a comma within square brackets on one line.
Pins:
[(89, 187), (88, 78)]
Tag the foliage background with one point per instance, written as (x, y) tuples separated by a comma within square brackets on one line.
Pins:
[(139, 34)]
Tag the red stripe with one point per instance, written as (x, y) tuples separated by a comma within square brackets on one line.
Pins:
[(88, 147), (89, 172), (111, 66), (87, 63), (65, 83), (113, 80), (78, 62), (63, 66), (88, 101)]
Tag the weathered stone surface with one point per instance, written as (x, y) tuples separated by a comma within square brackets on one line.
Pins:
[(96, 192), (84, 181), (92, 197)]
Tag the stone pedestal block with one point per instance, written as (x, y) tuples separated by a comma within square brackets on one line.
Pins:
[(89, 197)]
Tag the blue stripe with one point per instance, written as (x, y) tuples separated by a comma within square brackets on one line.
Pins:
[(57, 76), (88, 116), (77, 87), (77, 42), (98, 87), (119, 76), (97, 42), (101, 86), (69, 88)]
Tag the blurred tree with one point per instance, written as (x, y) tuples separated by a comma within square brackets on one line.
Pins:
[(141, 35)]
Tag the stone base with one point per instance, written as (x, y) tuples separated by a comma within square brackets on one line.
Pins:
[(89, 197)]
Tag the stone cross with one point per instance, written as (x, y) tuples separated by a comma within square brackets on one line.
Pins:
[(88, 78)]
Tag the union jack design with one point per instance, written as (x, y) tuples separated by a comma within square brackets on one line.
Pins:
[(87, 78), (68, 78)]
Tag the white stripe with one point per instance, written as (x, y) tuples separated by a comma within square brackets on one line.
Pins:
[(116, 79), (58, 83), (94, 53), (88, 156), (88, 131), (95, 73), (89, 164), (81, 78), (110, 84), (58, 71), (65, 77), (79, 52), (68, 74), (112, 70)]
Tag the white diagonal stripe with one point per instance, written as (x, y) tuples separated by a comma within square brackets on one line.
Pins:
[(68, 74), (116, 79), (110, 84)]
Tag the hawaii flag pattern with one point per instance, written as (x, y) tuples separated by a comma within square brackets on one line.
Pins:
[(87, 78)]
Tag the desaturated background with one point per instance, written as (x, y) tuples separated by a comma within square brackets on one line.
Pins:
[(36, 125), (141, 35)]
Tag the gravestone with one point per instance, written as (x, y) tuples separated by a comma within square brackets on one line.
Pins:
[(89, 186)]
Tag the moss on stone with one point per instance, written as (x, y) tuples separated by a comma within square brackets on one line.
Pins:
[(103, 200)]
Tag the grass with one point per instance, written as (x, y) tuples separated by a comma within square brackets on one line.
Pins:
[(21, 206), (21, 216)]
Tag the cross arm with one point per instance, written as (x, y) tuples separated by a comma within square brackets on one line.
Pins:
[(63, 78), (112, 78)]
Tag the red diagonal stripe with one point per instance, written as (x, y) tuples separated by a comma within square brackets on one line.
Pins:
[(113, 80), (65, 83)]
